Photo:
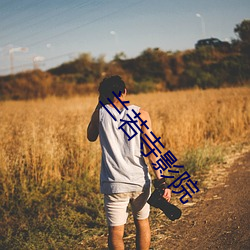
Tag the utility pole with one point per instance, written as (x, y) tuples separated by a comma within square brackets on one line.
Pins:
[(11, 51), (203, 26), (36, 60), (11, 62)]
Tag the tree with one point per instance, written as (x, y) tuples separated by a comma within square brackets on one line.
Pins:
[(120, 56), (243, 31)]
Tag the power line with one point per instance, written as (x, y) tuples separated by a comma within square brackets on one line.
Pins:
[(78, 6), (49, 59), (24, 7), (28, 18), (75, 28), (85, 24)]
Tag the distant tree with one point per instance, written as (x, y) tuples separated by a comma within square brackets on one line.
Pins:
[(27, 85), (99, 68), (243, 31), (149, 66), (83, 68), (120, 56)]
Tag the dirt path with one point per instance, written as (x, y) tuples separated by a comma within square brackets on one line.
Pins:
[(218, 219)]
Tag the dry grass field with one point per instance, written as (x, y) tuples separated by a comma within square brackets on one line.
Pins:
[(43, 142)]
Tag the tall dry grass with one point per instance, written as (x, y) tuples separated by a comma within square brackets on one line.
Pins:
[(187, 119), (44, 141)]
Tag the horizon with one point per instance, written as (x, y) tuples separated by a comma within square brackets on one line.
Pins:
[(46, 34)]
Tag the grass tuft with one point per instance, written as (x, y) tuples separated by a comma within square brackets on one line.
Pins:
[(198, 160)]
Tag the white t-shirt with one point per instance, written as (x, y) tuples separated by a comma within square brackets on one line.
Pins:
[(123, 168)]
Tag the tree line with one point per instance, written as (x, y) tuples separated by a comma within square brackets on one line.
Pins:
[(152, 70)]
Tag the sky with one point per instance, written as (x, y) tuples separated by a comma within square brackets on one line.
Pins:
[(46, 33)]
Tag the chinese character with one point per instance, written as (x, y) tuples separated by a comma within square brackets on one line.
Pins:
[(181, 178), (166, 162), (152, 150)]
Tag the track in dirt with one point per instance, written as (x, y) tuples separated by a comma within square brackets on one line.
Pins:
[(219, 220), (218, 217)]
